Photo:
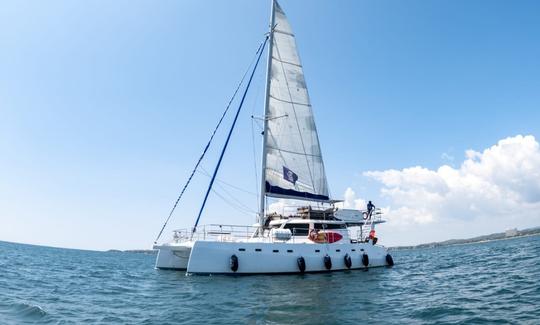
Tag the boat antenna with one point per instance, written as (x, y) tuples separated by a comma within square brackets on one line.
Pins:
[(259, 53), (209, 141)]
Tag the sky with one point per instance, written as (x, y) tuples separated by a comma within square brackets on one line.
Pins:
[(431, 109)]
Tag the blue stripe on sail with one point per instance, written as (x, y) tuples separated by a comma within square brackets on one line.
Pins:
[(288, 192)]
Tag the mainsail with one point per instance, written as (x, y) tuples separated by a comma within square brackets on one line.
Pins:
[(292, 161)]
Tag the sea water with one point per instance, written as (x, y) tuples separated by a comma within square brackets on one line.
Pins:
[(485, 283)]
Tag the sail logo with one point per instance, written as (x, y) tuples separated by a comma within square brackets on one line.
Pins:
[(289, 175)]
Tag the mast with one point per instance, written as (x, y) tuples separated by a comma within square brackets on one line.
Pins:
[(265, 117)]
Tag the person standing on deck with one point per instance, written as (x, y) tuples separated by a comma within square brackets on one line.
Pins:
[(370, 208)]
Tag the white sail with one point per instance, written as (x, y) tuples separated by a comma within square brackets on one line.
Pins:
[(294, 166)]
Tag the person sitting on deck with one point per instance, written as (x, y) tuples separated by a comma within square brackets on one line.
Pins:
[(372, 237)]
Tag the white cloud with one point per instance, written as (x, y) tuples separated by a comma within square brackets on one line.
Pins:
[(499, 186), (447, 157), (277, 206), (285, 206), (350, 201)]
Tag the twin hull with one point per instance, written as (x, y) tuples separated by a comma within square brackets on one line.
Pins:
[(211, 257)]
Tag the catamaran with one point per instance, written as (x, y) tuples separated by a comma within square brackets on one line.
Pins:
[(316, 236)]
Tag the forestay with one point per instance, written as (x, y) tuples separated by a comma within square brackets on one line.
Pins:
[(294, 164)]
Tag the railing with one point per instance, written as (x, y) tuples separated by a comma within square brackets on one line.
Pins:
[(369, 223), (376, 215), (214, 232), (231, 233)]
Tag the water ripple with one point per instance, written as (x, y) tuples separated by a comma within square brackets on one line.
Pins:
[(486, 283)]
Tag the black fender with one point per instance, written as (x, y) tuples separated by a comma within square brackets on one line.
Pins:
[(365, 260), (347, 260), (327, 262), (233, 262), (301, 264), (389, 260)]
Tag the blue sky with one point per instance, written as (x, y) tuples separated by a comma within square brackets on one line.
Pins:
[(105, 106)]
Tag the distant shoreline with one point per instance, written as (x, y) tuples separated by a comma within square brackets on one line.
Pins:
[(137, 251), (509, 234)]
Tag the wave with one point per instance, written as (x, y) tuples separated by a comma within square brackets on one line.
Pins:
[(22, 312)]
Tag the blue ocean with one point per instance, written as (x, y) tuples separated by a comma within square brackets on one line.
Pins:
[(486, 283)]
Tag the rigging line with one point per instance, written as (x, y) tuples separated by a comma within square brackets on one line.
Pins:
[(209, 141), (260, 52), (206, 173), (257, 123), (229, 198), (232, 197), (296, 119), (234, 206)]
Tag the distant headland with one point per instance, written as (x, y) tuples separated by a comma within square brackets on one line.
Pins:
[(138, 251)]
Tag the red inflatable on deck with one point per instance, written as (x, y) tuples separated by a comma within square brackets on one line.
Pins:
[(325, 236)]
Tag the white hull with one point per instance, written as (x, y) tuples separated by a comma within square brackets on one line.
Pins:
[(214, 257), (173, 256)]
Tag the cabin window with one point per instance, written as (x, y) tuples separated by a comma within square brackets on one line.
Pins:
[(298, 229), (257, 249), (242, 249), (354, 250), (329, 226), (338, 250), (276, 251), (317, 251), (289, 251)]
